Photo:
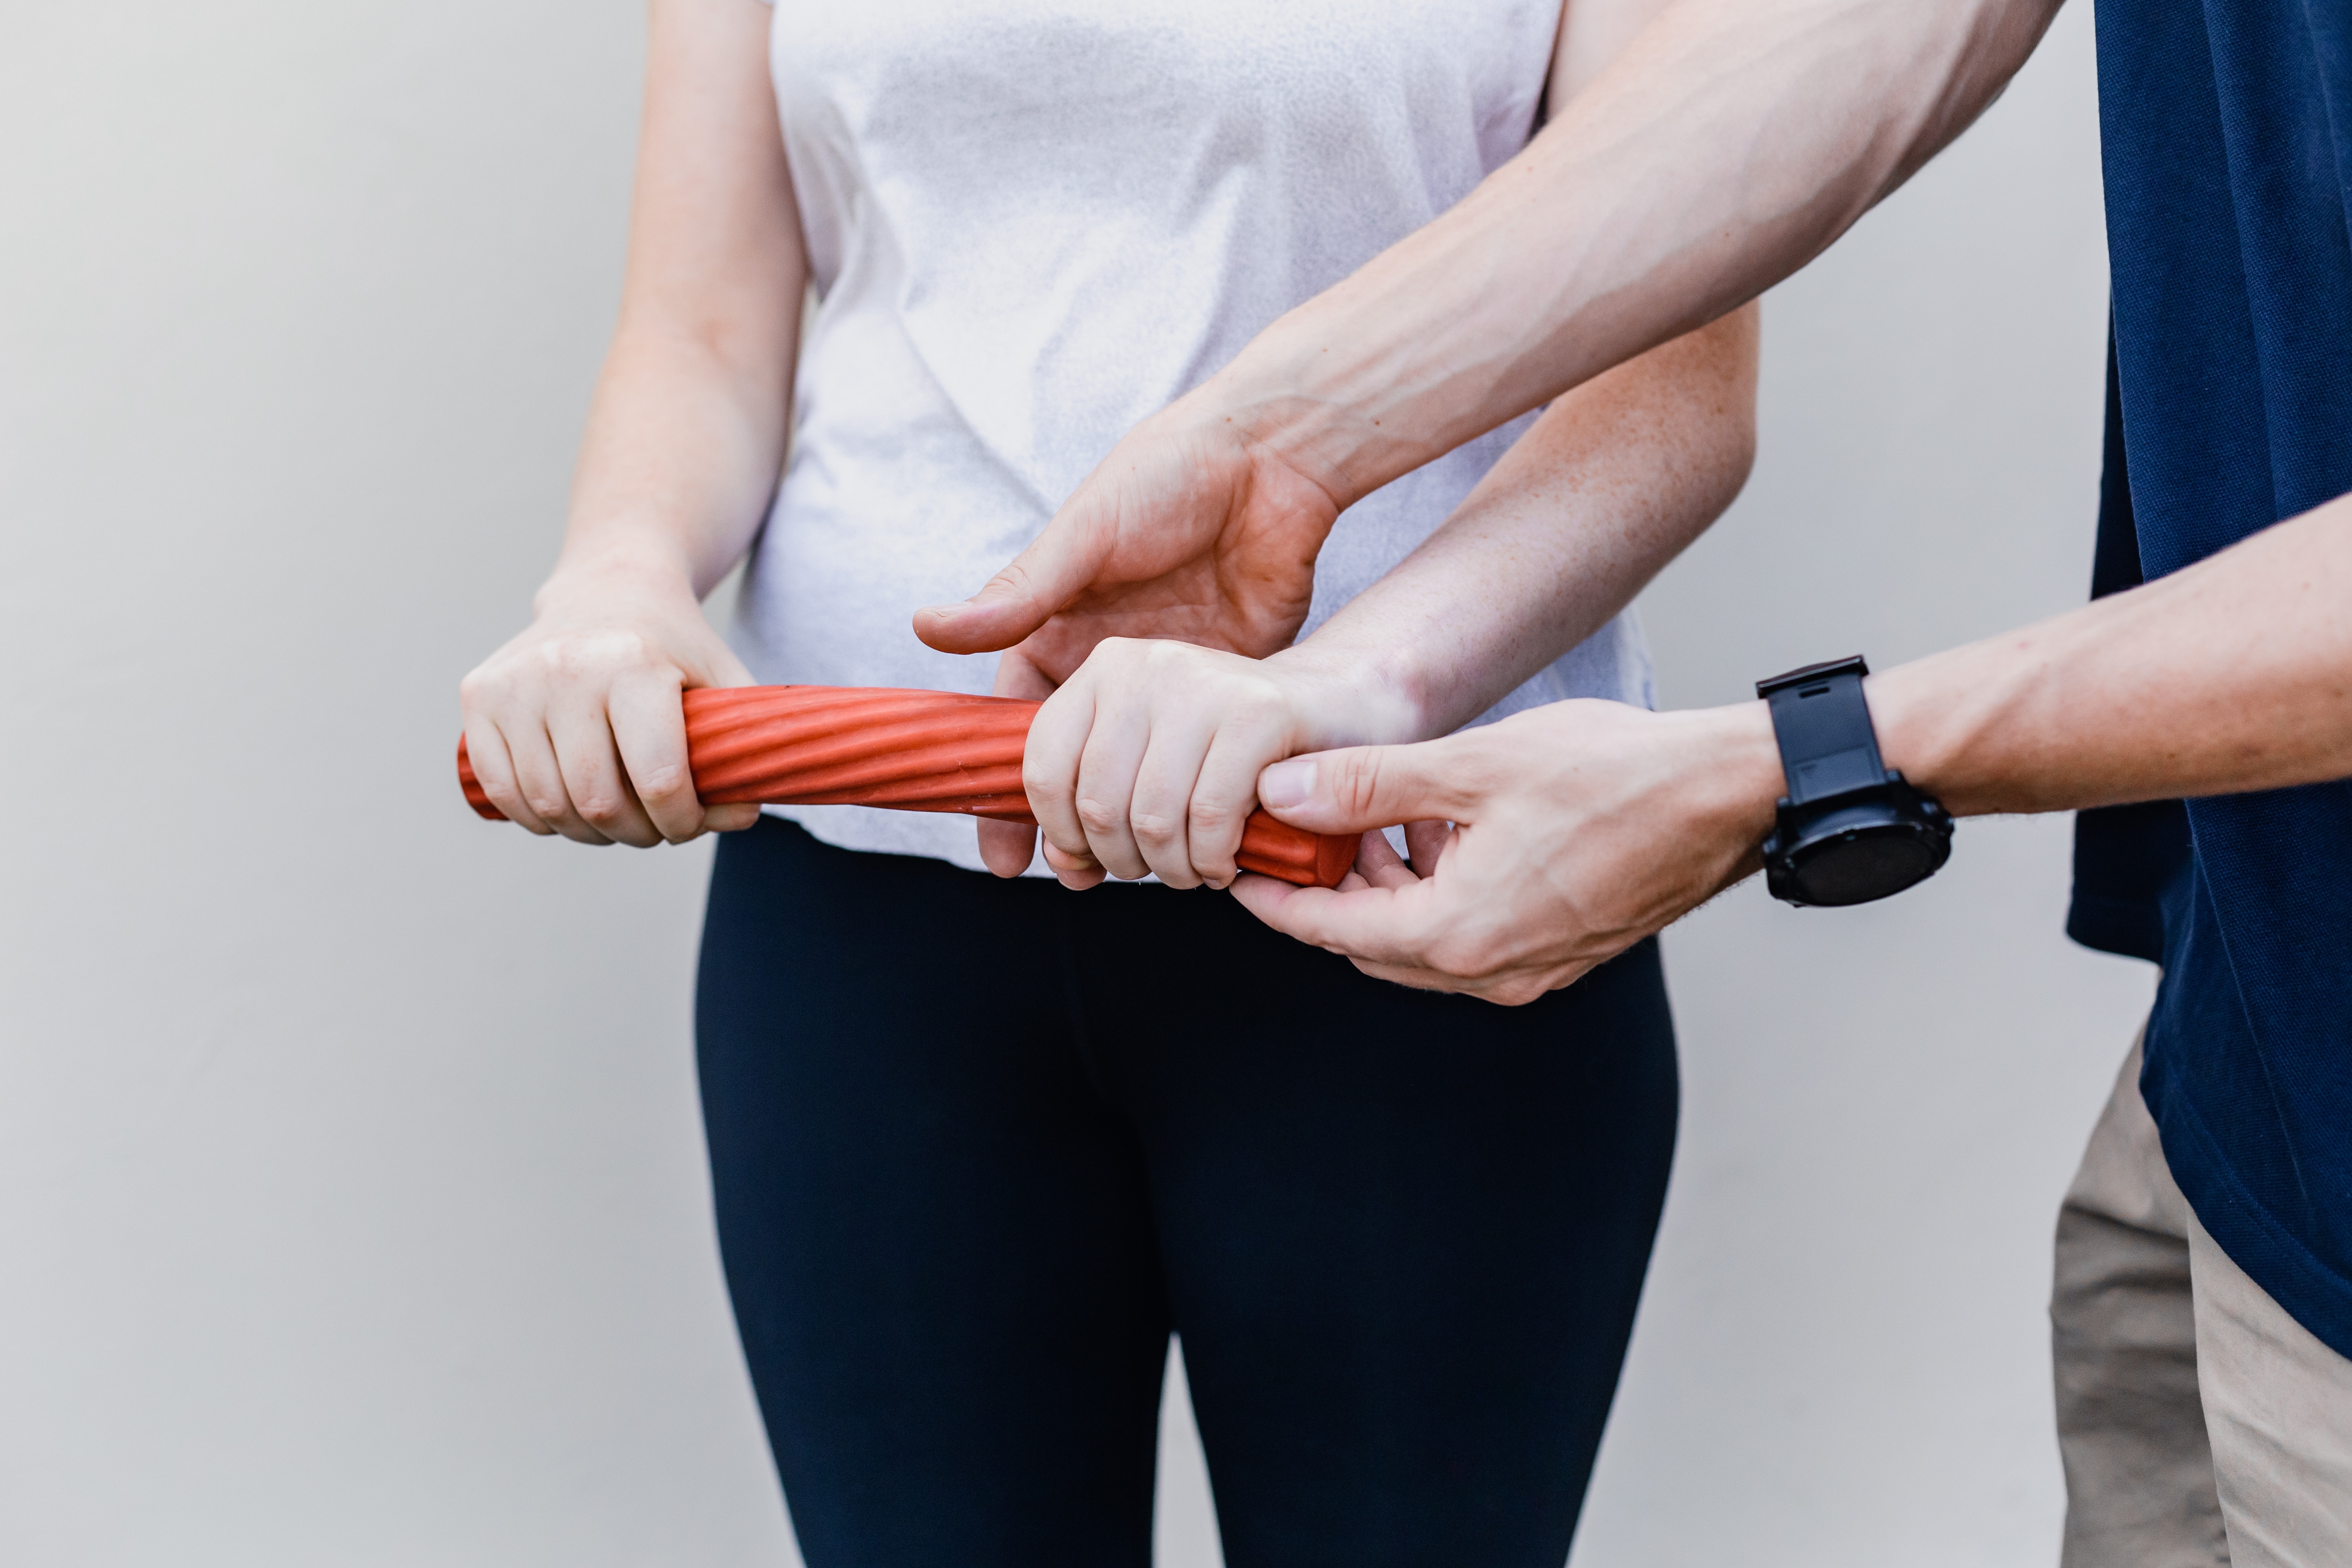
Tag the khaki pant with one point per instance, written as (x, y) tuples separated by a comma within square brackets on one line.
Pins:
[(2200, 1424)]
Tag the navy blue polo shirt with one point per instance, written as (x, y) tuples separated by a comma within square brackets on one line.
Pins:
[(2227, 134)]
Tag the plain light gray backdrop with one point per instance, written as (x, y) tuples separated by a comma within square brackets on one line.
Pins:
[(352, 1208)]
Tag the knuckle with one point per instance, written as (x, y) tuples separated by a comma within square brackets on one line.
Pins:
[(488, 691), (1095, 815), (1357, 786), (1155, 828), (665, 780), (1213, 816), (588, 654)]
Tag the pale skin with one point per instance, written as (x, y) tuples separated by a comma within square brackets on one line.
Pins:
[(1730, 144), (1679, 183), (1586, 827), (575, 726), (1146, 758), (1167, 693)]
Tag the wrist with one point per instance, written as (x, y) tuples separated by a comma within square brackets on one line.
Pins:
[(1730, 766), (1932, 717), (1850, 830), (631, 564), (1290, 401), (1344, 702)]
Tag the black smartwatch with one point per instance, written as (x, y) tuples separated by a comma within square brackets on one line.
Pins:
[(1849, 830)]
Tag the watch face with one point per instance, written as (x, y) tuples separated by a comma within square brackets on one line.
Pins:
[(1866, 863)]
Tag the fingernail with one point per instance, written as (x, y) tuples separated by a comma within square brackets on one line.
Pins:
[(1286, 783)]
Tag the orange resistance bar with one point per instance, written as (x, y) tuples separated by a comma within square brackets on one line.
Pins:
[(909, 751)]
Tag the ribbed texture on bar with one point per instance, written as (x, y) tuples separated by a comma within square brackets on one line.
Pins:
[(832, 745), (907, 751)]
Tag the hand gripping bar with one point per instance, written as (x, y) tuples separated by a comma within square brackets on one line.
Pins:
[(907, 751)]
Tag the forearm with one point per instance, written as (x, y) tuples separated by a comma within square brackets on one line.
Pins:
[(681, 457), (1613, 481), (1730, 144), (574, 726), (2231, 675), (687, 433), (1585, 827)]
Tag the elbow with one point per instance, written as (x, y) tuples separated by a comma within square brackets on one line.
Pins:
[(1731, 347), (1737, 452)]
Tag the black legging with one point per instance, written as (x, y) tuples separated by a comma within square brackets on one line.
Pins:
[(980, 1145)]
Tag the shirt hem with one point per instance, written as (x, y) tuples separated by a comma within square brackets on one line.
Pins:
[(2309, 1289)]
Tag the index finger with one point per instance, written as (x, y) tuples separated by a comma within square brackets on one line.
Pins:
[(648, 720), (494, 770), (1034, 586), (1384, 925)]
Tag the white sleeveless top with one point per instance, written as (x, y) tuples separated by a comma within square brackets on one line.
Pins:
[(1032, 223)]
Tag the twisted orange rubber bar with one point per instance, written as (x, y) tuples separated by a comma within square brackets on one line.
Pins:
[(910, 750)]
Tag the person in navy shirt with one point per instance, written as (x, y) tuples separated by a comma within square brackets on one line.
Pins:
[(2203, 1304)]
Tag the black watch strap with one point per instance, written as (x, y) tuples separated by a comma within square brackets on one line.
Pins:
[(1827, 744)]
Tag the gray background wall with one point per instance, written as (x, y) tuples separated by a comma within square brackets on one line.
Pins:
[(351, 1209)]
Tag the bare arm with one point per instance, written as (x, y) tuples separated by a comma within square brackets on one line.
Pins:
[(1730, 144), (1616, 478), (574, 726), (2231, 675), (2234, 674), (1146, 758)]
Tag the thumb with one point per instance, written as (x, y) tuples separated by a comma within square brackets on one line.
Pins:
[(1364, 787), (1055, 568)]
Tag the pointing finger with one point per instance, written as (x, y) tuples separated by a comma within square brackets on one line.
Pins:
[(1385, 925), (1363, 787), (1055, 568)]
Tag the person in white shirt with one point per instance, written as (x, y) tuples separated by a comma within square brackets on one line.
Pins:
[(979, 1145)]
